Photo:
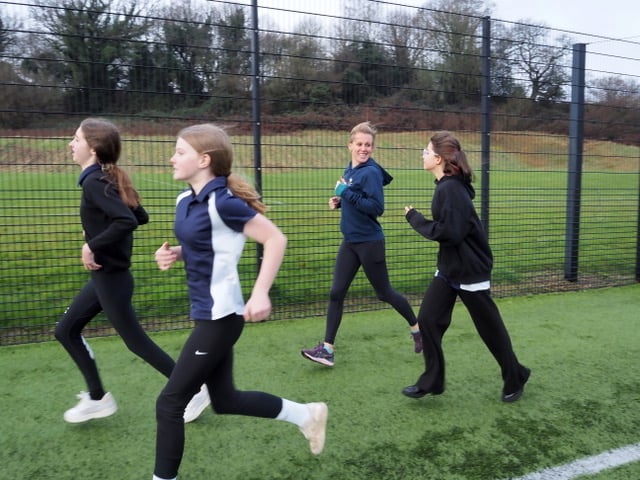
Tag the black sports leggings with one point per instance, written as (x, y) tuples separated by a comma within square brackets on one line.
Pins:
[(111, 292), (207, 357), (371, 256)]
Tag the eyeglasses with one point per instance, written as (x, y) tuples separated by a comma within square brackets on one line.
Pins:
[(426, 151)]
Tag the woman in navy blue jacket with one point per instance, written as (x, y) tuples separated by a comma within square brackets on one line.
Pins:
[(110, 211), (360, 197), (464, 268)]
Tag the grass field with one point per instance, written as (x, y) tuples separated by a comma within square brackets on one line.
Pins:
[(582, 399), (40, 232)]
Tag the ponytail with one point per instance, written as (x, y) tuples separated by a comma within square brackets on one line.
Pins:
[(241, 188), (104, 137), (455, 160), (122, 181)]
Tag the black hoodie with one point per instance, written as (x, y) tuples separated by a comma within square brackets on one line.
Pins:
[(108, 223), (464, 256)]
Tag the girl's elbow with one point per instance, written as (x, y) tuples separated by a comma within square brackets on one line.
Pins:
[(277, 238), (283, 240)]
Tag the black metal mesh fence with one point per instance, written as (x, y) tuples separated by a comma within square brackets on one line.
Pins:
[(289, 105)]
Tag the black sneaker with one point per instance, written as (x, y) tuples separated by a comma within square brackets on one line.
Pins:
[(318, 354), (515, 396)]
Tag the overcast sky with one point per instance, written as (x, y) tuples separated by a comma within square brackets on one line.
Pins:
[(616, 19)]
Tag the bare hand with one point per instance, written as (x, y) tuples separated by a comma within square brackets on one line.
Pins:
[(408, 208), (165, 256), (258, 308), (88, 259), (334, 202)]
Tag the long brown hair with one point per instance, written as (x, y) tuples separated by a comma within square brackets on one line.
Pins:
[(455, 160), (104, 137), (213, 140)]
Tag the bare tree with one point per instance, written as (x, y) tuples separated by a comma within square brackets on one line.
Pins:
[(614, 111), (453, 29), (503, 84), (453, 25), (615, 91), (6, 38), (296, 67), (541, 64), (11, 28), (406, 42), (360, 21)]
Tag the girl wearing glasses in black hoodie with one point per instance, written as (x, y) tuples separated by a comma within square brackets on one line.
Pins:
[(463, 270)]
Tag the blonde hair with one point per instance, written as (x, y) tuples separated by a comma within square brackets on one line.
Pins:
[(364, 127), (103, 137), (213, 140)]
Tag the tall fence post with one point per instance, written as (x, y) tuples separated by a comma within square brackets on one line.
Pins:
[(485, 106), (576, 144), (638, 227), (256, 114)]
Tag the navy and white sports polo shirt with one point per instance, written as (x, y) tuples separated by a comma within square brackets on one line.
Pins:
[(209, 228)]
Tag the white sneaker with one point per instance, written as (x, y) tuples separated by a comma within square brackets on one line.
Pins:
[(198, 403), (87, 409), (316, 428)]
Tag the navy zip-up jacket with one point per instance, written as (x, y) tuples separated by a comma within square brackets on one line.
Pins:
[(363, 202), (108, 222), (464, 255)]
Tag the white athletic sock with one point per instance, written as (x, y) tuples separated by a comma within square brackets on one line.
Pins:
[(158, 478), (292, 412)]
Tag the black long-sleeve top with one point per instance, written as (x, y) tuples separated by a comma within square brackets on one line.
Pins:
[(464, 255), (108, 223)]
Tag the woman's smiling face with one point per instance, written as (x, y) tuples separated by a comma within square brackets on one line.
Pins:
[(361, 147)]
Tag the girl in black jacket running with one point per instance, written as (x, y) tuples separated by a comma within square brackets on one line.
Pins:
[(464, 270), (110, 211)]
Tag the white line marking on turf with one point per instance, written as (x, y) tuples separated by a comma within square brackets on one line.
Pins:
[(588, 465)]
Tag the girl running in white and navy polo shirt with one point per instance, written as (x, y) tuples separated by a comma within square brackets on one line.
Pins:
[(213, 219)]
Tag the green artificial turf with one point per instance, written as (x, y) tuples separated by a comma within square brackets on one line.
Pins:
[(582, 399)]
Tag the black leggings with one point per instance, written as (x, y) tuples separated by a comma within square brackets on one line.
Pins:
[(371, 256), (111, 292), (434, 318), (207, 357)]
